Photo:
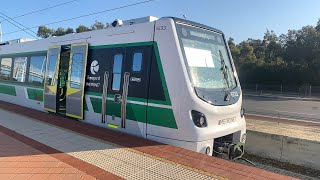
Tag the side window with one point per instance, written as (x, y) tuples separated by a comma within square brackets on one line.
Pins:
[(117, 68), (76, 76), (37, 68), (5, 69), (20, 69), (51, 70), (137, 62)]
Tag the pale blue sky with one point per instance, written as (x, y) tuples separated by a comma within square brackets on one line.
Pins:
[(238, 19)]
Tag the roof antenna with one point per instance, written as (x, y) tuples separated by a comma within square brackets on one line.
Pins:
[(184, 16)]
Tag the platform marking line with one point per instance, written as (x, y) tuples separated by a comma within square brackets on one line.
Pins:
[(296, 113), (291, 119)]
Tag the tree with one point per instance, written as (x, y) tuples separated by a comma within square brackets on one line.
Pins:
[(235, 51), (289, 58), (82, 28), (318, 25), (107, 25), (59, 32), (258, 48), (247, 53), (44, 32), (272, 45), (69, 31), (97, 25)]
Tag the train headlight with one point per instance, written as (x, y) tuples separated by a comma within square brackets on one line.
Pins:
[(202, 121), (199, 119), (242, 112), (208, 150)]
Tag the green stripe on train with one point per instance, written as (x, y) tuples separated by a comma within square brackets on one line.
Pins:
[(85, 105), (156, 116), (163, 79), (40, 87), (35, 94), (6, 89)]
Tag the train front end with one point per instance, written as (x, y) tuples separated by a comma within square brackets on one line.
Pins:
[(204, 88)]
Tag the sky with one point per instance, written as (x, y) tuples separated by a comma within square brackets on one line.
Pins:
[(237, 19)]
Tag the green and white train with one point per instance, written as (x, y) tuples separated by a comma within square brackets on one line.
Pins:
[(169, 80)]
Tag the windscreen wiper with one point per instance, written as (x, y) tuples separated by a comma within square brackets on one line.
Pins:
[(224, 70)]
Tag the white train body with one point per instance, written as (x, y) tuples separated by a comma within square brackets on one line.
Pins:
[(162, 90)]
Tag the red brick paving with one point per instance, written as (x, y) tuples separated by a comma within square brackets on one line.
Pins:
[(191, 159), (24, 158), (20, 161)]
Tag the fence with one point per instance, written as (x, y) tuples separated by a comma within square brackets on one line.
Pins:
[(299, 90)]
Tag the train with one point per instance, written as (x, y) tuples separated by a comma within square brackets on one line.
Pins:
[(165, 79)]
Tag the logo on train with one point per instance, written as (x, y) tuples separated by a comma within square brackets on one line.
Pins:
[(94, 68)]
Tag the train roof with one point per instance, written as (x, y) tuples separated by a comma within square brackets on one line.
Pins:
[(195, 24), (119, 23)]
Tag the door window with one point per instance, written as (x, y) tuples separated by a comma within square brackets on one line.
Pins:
[(137, 62), (52, 67), (76, 71), (117, 68)]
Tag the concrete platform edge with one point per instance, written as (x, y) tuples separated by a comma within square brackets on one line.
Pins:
[(283, 148)]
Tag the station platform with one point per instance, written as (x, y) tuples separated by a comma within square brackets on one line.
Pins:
[(38, 145), (296, 129)]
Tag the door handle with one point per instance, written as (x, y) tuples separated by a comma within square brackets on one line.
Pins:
[(124, 99), (104, 97), (117, 98)]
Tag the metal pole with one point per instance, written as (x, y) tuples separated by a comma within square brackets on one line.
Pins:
[(0, 32), (281, 88), (310, 91)]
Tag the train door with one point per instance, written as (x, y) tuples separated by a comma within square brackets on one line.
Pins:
[(51, 79), (76, 80), (125, 90), (64, 79)]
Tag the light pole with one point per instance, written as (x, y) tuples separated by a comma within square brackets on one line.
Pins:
[(0, 32)]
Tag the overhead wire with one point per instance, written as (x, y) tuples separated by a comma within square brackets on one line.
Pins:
[(36, 11), (25, 30), (2, 14), (85, 15)]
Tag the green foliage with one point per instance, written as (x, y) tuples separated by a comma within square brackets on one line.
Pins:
[(97, 25), (318, 25), (45, 32), (82, 28), (69, 31), (59, 32), (289, 58)]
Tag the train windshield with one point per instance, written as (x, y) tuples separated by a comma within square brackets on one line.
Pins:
[(208, 63), (206, 58)]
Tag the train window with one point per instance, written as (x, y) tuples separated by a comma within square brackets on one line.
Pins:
[(76, 76), (117, 68), (51, 70), (137, 62), (5, 70), (37, 67), (20, 69)]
